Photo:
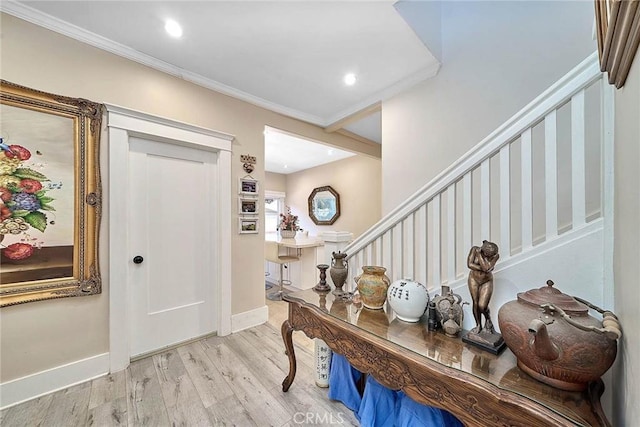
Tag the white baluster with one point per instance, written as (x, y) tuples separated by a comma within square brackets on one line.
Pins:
[(467, 231), (485, 200), (526, 190), (354, 270), (451, 233), (379, 251), (398, 254), (408, 247), (435, 241), (505, 203), (368, 256), (387, 253), (360, 256), (577, 160), (551, 175), (421, 234)]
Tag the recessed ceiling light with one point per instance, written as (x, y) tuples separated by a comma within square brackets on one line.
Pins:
[(330, 152), (350, 79), (173, 28), (285, 166)]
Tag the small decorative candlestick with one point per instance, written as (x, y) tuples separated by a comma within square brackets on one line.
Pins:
[(322, 284)]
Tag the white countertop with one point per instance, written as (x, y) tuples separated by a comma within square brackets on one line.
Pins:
[(297, 242)]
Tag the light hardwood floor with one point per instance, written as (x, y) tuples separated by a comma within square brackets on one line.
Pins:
[(217, 381)]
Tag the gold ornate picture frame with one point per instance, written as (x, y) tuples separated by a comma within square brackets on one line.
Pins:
[(618, 34), (50, 195)]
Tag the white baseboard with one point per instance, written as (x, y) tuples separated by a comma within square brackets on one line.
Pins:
[(249, 319), (54, 379)]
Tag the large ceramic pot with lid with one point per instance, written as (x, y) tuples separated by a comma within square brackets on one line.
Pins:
[(555, 339)]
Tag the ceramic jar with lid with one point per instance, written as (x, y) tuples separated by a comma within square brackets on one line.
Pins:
[(408, 299), (555, 339)]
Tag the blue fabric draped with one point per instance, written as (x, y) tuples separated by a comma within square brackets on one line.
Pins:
[(379, 406), (342, 382), (410, 413)]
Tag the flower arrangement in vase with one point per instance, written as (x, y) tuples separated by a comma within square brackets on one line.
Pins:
[(24, 201), (288, 224)]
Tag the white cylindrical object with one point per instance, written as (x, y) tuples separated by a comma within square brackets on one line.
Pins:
[(322, 354)]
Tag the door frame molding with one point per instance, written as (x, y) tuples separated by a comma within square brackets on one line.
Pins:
[(123, 123)]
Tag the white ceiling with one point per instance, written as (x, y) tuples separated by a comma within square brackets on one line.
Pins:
[(287, 56), (286, 153)]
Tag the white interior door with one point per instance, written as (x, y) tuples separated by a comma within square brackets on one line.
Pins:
[(171, 227)]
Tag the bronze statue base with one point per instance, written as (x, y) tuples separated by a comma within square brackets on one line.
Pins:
[(493, 343)]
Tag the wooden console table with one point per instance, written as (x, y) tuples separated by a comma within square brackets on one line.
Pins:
[(477, 387)]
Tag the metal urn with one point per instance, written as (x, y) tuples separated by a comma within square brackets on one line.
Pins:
[(339, 271)]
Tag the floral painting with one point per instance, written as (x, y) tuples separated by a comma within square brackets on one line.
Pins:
[(36, 194), (50, 195)]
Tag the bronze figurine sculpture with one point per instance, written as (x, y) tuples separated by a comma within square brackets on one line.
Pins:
[(481, 261)]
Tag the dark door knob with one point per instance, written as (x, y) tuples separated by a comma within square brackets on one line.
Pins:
[(137, 259)]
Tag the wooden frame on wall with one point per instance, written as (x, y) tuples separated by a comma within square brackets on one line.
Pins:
[(618, 34), (51, 195), (324, 205)]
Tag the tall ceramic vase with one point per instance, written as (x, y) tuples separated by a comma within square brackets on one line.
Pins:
[(338, 271), (372, 286)]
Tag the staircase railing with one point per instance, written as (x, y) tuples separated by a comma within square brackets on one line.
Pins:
[(542, 175)]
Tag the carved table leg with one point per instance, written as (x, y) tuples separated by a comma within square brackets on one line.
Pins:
[(287, 330)]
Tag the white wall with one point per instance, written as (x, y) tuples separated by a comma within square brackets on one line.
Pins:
[(627, 248), (496, 57)]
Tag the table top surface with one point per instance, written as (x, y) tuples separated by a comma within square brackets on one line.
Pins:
[(297, 242), (499, 370)]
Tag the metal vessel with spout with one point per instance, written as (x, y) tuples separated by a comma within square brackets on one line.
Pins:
[(555, 339)]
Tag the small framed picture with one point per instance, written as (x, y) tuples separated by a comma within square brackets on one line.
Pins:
[(248, 187), (247, 206), (247, 225)]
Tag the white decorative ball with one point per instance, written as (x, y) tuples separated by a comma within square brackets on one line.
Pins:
[(408, 299)]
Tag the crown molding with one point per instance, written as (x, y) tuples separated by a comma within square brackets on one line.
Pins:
[(57, 25), (49, 22)]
